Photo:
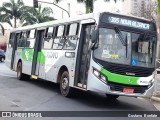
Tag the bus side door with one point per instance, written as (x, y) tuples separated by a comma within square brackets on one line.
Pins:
[(11, 50), (37, 65)]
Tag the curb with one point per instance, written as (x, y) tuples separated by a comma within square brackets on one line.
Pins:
[(155, 98)]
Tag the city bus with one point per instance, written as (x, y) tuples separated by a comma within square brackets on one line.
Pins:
[(106, 53)]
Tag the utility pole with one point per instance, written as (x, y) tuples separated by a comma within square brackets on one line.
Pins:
[(68, 7), (35, 4)]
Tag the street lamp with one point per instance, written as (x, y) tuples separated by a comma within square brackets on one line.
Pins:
[(1, 30), (35, 3), (68, 7)]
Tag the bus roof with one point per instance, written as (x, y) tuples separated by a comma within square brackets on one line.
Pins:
[(78, 18)]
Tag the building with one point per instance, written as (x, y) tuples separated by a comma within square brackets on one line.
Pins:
[(136, 7)]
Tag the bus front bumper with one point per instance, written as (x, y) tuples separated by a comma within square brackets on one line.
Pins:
[(147, 94), (95, 85)]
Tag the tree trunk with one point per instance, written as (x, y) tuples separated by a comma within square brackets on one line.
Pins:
[(89, 6), (15, 22), (158, 40)]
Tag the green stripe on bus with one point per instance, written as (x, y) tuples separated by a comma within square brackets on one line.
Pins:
[(41, 58), (122, 79), (27, 54)]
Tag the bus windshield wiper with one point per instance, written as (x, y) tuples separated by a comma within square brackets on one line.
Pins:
[(126, 40), (120, 36)]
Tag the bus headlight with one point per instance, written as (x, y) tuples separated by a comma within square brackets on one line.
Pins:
[(99, 75), (96, 73)]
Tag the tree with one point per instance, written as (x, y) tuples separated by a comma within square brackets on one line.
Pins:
[(88, 4), (36, 15), (11, 10)]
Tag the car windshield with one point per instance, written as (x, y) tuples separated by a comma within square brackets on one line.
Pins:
[(129, 48)]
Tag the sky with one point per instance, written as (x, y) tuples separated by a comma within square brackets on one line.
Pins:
[(75, 8)]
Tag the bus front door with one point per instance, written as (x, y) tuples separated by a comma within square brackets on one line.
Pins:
[(83, 56)]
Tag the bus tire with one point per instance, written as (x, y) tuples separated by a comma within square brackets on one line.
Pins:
[(20, 75), (111, 97), (65, 89)]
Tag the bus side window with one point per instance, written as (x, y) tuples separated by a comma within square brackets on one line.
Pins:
[(72, 36), (23, 39), (11, 39), (30, 38), (48, 38), (19, 39), (59, 37)]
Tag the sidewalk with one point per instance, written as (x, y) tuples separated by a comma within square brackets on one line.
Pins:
[(155, 99), (156, 102)]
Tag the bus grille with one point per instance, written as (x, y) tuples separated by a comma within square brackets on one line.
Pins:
[(123, 69), (119, 87)]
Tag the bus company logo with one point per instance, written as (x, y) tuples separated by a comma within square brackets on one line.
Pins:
[(53, 55), (132, 74), (129, 81)]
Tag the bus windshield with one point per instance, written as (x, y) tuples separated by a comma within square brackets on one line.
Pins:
[(138, 50)]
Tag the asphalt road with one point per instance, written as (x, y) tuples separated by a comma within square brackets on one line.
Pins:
[(38, 95)]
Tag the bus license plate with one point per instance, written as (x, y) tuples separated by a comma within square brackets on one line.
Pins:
[(128, 90)]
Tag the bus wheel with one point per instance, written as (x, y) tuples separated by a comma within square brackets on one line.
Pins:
[(20, 75), (111, 97), (64, 85)]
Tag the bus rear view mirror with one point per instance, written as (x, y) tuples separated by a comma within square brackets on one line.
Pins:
[(94, 36)]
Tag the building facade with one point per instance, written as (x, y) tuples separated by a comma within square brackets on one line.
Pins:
[(136, 7)]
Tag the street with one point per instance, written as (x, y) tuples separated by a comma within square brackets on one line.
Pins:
[(38, 95)]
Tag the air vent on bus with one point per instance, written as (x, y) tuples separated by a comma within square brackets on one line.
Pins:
[(129, 70)]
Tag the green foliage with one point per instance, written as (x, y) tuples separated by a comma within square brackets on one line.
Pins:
[(57, 1), (89, 4), (11, 10), (31, 15), (158, 6), (27, 15)]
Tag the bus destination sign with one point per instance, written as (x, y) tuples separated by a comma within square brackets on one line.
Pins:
[(128, 22)]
